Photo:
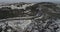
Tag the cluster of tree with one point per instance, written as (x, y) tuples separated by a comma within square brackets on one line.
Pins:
[(6, 12)]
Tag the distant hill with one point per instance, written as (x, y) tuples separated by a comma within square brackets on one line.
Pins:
[(46, 7)]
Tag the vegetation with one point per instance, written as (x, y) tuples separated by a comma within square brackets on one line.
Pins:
[(7, 12)]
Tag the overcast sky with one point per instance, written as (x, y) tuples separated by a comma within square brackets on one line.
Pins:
[(11, 1)]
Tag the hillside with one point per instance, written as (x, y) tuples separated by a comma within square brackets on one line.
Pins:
[(30, 17)]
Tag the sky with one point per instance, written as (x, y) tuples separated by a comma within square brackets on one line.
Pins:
[(12, 1)]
